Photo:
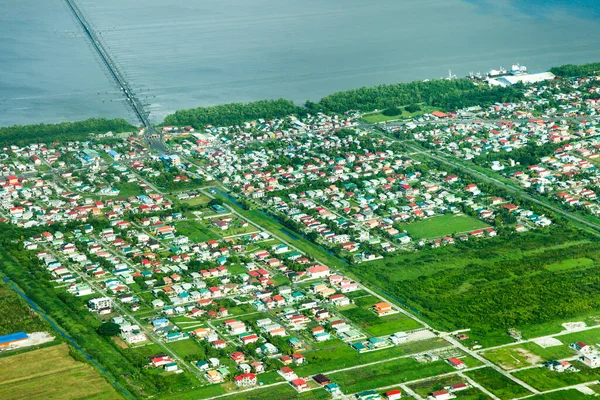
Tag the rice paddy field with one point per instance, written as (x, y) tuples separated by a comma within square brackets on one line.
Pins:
[(51, 373)]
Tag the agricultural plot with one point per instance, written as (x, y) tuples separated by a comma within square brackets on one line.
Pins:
[(443, 225), (51, 373)]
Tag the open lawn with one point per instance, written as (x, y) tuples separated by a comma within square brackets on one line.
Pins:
[(197, 201), (443, 225), (543, 379), (497, 383), (427, 387), (195, 231), (51, 373), (387, 373), (370, 322), (186, 347), (148, 350), (379, 117), (127, 189)]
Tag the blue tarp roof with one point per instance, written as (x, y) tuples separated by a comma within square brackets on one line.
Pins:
[(13, 337)]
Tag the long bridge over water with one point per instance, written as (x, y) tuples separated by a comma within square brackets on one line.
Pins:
[(153, 137)]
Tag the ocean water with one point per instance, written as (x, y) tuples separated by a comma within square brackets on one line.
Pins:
[(48, 72), (183, 53)]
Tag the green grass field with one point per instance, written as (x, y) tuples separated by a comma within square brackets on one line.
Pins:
[(543, 379), (379, 117), (591, 336), (425, 388), (335, 354), (447, 224), (574, 263), (195, 231), (197, 201), (497, 383), (370, 322), (127, 189), (51, 373), (186, 347), (387, 373), (235, 228)]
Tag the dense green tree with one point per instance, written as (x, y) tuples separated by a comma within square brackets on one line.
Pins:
[(392, 111), (570, 70), (233, 114), (80, 130), (108, 329)]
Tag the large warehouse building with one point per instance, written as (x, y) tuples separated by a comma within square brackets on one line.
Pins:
[(7, 340), (526, 79)]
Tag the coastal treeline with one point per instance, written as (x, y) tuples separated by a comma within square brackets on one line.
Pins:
[(570, 70), (445, 94), (24, 134), (233, 114)]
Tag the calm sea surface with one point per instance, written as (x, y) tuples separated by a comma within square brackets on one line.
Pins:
[(185, 53)]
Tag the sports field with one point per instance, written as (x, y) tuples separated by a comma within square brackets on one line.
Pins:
[(443, 225), (51, 373)]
